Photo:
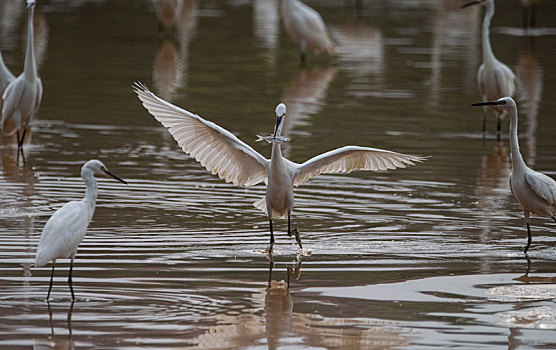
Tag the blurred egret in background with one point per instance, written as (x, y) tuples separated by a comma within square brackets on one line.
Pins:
[(66, 228), (306, 29), (494, 78), (535, 192), (529, 12), (6, 77), (222, 153), (23, 95)]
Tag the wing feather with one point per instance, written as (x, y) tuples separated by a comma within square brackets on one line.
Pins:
[(350, 158), (542, 185), (218, 150)]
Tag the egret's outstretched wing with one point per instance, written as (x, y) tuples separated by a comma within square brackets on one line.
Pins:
[(214, 147), (349, 158), (542, 185)]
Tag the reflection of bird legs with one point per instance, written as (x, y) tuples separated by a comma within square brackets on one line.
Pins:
[(270, 267), (50, 318), (68, 319)]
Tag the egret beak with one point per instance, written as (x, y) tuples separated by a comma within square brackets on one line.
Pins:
[(471, 3), (278, 121), (114, 176), (491, 103)]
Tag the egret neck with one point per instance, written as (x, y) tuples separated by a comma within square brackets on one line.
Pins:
[(30, 68)]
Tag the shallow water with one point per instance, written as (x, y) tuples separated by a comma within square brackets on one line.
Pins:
[(418, 258)]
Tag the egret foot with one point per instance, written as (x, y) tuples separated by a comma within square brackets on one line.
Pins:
[(297, 237)]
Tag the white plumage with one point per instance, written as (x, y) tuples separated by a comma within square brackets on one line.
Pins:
[(234, 161), (66, 228), (306, 28), (22, 96), (494, 78), (535, 192)]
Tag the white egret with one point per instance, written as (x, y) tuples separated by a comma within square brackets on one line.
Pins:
[(224, 154), (535, 192), (66, 228), (6, 77), (494, 78), (306, 28), (23, 95)]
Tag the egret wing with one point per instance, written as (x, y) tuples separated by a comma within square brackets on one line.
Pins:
[(350, 158), (62, 233), (542, 185), (217, 149)]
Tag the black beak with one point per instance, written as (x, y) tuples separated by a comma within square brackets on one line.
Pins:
[(278, 121), (471, 3), (492, 103), (114, 176)]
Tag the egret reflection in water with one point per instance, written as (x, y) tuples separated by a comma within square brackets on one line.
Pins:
[(179, 22)]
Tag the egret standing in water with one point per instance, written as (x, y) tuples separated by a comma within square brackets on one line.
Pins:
[(494, 78), (306, 28), (535, 192), (224, 154), (67, 226), (23, 95)]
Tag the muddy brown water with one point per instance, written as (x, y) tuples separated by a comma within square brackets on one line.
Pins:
[(418, 258)]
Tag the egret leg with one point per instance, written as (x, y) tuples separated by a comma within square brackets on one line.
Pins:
[(271, 237), (20, 141), (70, 281), (498, 126), (51, 280), (525, 17), (553, 218), (529, 239), (533, 15)]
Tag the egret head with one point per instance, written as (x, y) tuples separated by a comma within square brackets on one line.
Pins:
[(504, 102), (97, 168), (30, 4), (280, 114)]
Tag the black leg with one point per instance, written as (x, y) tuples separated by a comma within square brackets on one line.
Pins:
[(20, 142), (303, 60), (553, 218), (533, 15), (70, 282), (529, 239), (51, 280), (289, 227), (271, 237)]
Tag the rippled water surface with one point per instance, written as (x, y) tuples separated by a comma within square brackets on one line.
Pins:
[(418, 258)]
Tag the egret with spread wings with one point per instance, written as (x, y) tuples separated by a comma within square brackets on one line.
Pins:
[(222, 153), (535, 192)]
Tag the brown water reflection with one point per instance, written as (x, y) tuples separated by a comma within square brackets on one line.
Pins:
[(430, 257)]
